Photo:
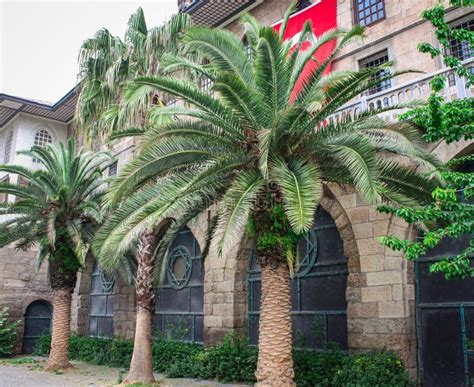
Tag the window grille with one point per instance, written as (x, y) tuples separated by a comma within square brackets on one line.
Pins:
[(374, 61), (42, 138), (8, 148), (113, 169), (461, 48), (368, 12)]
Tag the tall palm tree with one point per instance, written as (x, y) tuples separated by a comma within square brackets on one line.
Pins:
[(107, 64), (57, 208), (263, 151)]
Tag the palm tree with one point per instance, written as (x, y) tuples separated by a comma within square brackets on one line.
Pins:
[(57, 209), (107, 64), (262, 150)]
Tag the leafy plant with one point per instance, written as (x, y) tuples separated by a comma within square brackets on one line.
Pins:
[(8, 333), (451, 213), (372, 369), (235, 361)]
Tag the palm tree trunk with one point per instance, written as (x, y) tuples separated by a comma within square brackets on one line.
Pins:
[(58, 358), (275, 363), (141, 366)]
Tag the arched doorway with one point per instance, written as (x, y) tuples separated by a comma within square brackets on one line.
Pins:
[(179, 302), (318, 289), (445, 318), (37, 322), (101, 308)]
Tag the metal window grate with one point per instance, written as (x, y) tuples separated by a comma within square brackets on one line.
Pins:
[(113, 169), (205, 84), (369, 11), (374, 61), (8, 148), (461, 48), (42, 138), (102, 299)]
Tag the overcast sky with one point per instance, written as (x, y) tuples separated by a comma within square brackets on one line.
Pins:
[(40, 40)]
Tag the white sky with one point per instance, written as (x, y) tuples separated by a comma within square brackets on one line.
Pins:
[(40, 40)]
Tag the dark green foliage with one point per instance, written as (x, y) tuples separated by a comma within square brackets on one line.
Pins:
[(372, 369), (8, 332), (167, 352), (231, 361), (317, 368), (235, 361)]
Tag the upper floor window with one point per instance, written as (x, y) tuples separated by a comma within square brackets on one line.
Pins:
[(374, 61), (368, 12), (113, 169), (8, 148), (42, 138), (205, 84), (302, 4), (461, 48)]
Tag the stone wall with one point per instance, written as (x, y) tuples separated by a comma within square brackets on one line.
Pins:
[(20, 285)]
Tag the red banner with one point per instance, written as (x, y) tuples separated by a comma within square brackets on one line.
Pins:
[(323, 16)]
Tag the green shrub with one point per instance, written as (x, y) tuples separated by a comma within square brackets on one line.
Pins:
[(231, 361), (8, 333), (167, 352), (317, 368), (235, 361), (372, 369)]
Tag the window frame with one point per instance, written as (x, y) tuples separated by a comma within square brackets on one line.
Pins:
[(43, 144), (371, 57), (355, 11)]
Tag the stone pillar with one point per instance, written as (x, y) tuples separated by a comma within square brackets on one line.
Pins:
[(380, 312), (124, 309), (225, 293)]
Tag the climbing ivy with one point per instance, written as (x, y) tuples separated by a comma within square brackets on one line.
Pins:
[(451, 214)]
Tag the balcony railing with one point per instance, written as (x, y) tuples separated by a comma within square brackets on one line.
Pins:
[(215, 13), (418, 89)]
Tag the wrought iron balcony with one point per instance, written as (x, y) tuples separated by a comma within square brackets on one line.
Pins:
[(418, 89), (215, 13)]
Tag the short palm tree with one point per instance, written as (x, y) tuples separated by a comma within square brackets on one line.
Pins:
[(263, 150), (57, 209)]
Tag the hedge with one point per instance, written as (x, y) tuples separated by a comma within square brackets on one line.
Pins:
[(234, 361)]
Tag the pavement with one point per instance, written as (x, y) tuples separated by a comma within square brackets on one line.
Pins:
[(28, 372)]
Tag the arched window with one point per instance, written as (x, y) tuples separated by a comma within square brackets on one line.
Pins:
[(179, 302), (101, 311), (8, 148), (37, 323), (445, 317), (42, 138), (318, 289)]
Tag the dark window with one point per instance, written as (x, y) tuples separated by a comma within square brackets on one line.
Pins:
[(37, 323), (445, 318), (461, 48), (113, 169), (318, 289), (374, 61), (302, 4), (368, 12), (451, 79), (101, 311), (179, 302), (4, 196)]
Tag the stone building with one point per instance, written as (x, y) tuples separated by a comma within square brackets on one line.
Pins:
[(349, 289)]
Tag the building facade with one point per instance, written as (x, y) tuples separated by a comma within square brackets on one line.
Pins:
[(349, 289)]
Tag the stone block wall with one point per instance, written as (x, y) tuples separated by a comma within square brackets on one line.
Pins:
[(20, 285)]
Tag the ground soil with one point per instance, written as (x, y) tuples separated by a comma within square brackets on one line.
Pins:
[(28, 372)]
